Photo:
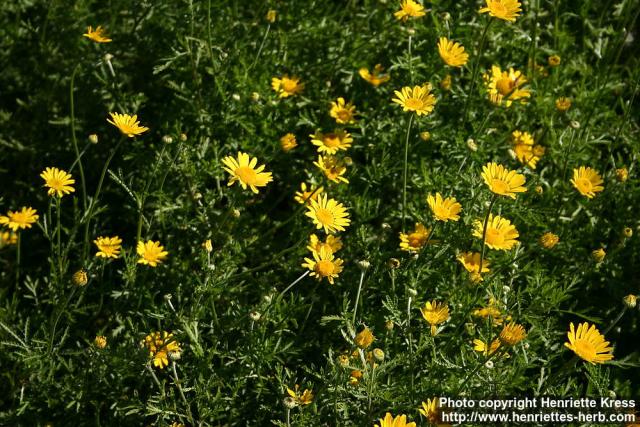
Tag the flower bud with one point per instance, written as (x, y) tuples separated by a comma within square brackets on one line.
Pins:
[(622, 174), (425, 135), (255, 316), (100, 341), (630, 300), (93, 138), (378, 354), (167, 139), (472, 144), (80, 277)]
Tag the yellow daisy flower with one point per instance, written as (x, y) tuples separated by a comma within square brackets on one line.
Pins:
[(343, 112), (333, 168), (364, 338), (331, 243), (471, 263), (563, 104), (108, 247), (100, 341), (502, 181), (159, 345), (244, 171), (452, 53), (507, 10), (587, 181), (503, 85), (98, 35), (376, 78), (331, 143), (444, 209), (409, 9), (419, 99), (287, 86), (431, 411), (588, 343), (21, 219), (598, 254), (288, 142), (151, 253), (554, 60), (548, 240), (390, 421), (128, 125), (271, 16), (484, 348), (306, 194), (512, 334), (526, 152), (304, 398), (323, 265), (500, 235), (328, 214), (58, 181), (414, 241), (435, 313)]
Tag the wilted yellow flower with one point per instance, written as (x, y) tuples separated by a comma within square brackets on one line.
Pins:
[(598, 254), (471, 263), (364, 338), (554, 60), (500, 234), (417, 99), (512, 334), (587, 181), (622, 174), (548, 240), (435, 313), (58, 181), (484, 348), (452, 53), (333, 168), (502, 181), (344, 113), (409, 9), (332, 142), (8, 238), (376, 78), (100, 341), (306, 194), (303, 398), (563, 104), (151, 253), (80, 278), (328, 214), (588, 343), (21, 219), (507, 10), (355, 376), (507, 86), (415, 240), (98, 35), (288, 142), (244, 171), (108, 247), (271, 16), (159, 345), (390, 421), (331, 244), (287, 86), (323, 265), (128, 125), (444, 209)]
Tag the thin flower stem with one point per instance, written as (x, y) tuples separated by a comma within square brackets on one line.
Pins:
[(476, 68), (74, 140), (281, 294), (155, 379), (410, 60), (616, 320), (18, 262), (355, 309), (182, 396), (406, 168), (58, 239), (484, 231), (288, 417), (264, 40), (145, 192)]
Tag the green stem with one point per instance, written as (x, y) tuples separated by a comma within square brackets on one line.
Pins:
[(355, 309), (410, 61), (74, 139), (58, 238), (182, 396), (476, 68), (406, 170), (18, 245), (484, 231)]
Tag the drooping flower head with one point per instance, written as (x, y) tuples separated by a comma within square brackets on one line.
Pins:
[(364, 338), (332, 142), (331, 243), (507, 10), (21, 219), (304, 398), (324, 265), (375, 77), (415, 240), (343, 112), (444, 209), (287, 86), (523, 146), (587, 181), (98, 35), (151, 253), (409, 9), (243, 170), (588, 343), (417, 99), (159, 345), (128, 125), (328, 214), (452, 53), (502, 181), (435, 313), (58, 181), (500, 234), (506, 86), (307, 193), (391, 421), (108, 247), (485, 348), (333, 168), (471, 262)]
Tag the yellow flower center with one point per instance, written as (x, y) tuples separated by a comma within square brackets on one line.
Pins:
[(246, 174), (331, 140), (505, 85), (494, 237), (441, 212), (324, 268), (416, 240), (344, 115), (414, 103), (499, 9), (324, 216), (584, 185), (289, 85), (55, 183), (499, 186), (585, 349)]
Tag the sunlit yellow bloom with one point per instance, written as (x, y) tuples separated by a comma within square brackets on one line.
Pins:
[(151, 253), (128, 125), (390, 421), (587, 181), (333, 168), (506, 86), (435, 313), (507, 10), (323, 265), (471, 263), (328, 214), (287, 86), (306, 194), (548, 240), (100, 341), (486, 350), (58, 181), (512, 334), (21, 219), (444, 209), (526, 152), (244, 171), (409, 9), (364, 338), (554, 60), (417, 99), (563, 104), (452, 53), (343, 112), (415, 240), (159, 345), (589, 343), (98, 35), (376, 78), (500, 234), (598, 254), (288, 142), (331, 244), (502, 181), (108, 247), (332, 142), (303, 398)]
